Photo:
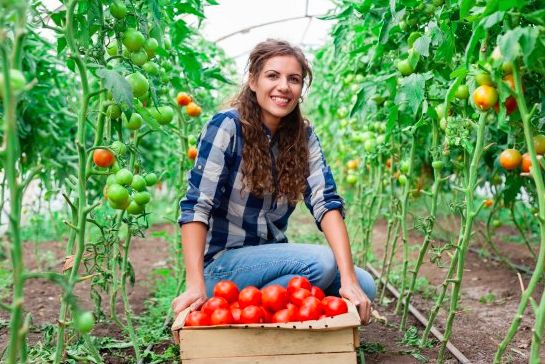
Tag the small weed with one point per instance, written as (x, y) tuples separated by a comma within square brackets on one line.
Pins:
[(488, 299), (372, 348)]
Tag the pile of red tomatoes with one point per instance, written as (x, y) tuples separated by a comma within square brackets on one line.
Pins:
[(300, 301)]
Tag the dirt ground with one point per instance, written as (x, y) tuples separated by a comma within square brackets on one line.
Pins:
[(478, 327)]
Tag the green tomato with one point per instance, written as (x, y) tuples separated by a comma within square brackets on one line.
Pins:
[(483, 78), (404, 167), (403, 25), (507, 67), (138, 183), (117, 193), (166, 65), (139, 57), (539, 143), (133, 39), (462, 92), (496, 223), (192, 139), (112, 49), (151, 68), (437, 165), (16, 79), (110, 180), (151, 179), (113, 111), (402, 179), (142, 198), (404, 67), (359, 78), (151, 46), (84, 322), (135, 122), (118, 205), (118, 9), (164, 115), (119, 148), (352, 179), (370, 145), (381, 138), (134, 208), (123, 177), (139, 84)]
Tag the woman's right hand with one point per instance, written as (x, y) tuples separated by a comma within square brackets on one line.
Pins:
[(192, 298)]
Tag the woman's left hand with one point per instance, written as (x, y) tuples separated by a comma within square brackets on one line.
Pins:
[(353, 292)]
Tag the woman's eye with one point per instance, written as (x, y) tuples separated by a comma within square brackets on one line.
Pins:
[(295, 80), (272, 76)]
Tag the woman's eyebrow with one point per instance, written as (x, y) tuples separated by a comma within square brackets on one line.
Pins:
[(293, 74)]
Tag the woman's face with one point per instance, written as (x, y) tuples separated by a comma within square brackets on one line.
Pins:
[(278, 87)]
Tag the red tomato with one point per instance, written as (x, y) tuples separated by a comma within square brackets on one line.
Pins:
[(310, 309), (197, 318), (294, 312), (317, 292), (267, 315), (334, 306), (213, 304), (274, 298), (298, 295), (251, 315), (103, 158), (226, 289), (221, 316), (235, 304), (299, 282), (309, 312), (526, 163), (249, 296), (282, 316), (235, 312)]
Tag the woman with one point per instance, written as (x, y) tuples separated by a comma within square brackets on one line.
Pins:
[(265, 146)]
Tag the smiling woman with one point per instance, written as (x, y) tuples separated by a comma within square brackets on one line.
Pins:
[(255, 162)]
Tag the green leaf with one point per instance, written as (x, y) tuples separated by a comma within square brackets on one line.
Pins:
[(465, 7), (412, 91), (215, 73), (492, 19), (422, 45), (537, 17), (61, 44), (117, 85), (360, 101)]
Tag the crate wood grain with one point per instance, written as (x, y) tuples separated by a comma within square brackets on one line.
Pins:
[(230, 342), (327, 358)]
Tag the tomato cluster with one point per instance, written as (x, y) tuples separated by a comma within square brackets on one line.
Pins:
[(300, 301), (511, 159)]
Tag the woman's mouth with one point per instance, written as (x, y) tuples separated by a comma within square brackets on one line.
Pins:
[(280, 101)]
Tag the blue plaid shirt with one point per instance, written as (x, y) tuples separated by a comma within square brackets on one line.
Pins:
[(235, 220)]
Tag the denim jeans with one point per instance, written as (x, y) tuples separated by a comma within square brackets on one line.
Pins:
[(277, 263)]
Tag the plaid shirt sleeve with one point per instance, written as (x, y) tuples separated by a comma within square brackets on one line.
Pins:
[(209, 174), (321, 193)]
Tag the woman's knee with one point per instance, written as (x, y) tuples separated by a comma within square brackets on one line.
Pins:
[(367, 283), (323, 267)]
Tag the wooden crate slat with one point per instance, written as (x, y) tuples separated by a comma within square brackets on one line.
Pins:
[(324, 358), (258, 342)]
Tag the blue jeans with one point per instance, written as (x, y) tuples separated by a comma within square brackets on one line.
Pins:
[(268, 264)]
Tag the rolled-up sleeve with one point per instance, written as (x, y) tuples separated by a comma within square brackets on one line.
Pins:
[(207, 178), (321, 193)]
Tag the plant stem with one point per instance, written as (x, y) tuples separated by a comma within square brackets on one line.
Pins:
[(428, 225), (403, 219), (470, 214)]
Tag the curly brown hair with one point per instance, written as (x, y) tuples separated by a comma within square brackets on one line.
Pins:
[(291, 165)]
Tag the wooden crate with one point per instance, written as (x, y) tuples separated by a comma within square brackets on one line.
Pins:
[(330, 340)]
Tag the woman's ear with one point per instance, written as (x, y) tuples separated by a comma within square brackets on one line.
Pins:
[(252, 82)]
